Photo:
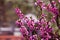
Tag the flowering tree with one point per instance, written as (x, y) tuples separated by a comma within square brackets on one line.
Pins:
[(42, 29)]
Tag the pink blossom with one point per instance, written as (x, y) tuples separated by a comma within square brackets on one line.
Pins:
[(59, 1), (19, 22), (30, 24), (53, 10), (23, 30), (54, 3), (35, 37), (53, 20), (31, 38), (19, 13)]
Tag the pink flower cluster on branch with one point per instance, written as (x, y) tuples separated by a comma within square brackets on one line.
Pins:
[(48, 7), (40, 30), (29, 27), (19, 13)]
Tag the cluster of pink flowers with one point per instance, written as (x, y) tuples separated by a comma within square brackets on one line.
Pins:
[(40, 30), (49, 7)]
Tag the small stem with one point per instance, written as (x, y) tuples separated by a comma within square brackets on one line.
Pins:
[(40, 9), (57, 21)]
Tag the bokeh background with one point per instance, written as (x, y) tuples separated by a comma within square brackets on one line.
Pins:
[(8, 15)]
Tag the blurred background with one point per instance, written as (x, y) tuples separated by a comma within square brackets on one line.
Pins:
[(8, 15)]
